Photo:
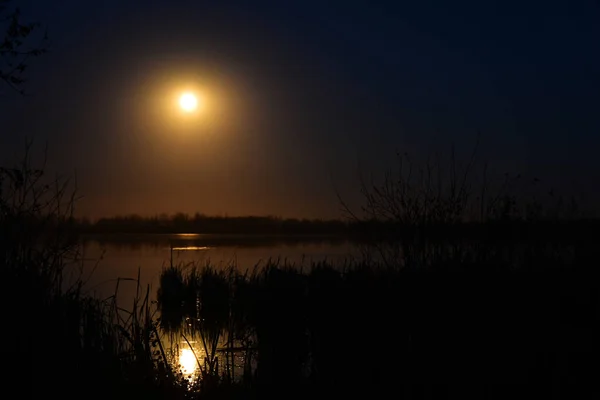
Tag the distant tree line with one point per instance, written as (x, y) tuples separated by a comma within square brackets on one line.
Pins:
[(372, 229), (199, 223)]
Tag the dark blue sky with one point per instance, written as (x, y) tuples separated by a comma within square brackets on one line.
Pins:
[(306, 91)]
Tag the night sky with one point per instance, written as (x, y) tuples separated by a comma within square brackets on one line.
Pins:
[(300, 95)]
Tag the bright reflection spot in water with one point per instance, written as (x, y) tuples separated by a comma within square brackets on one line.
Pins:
[(190, 248), (188, 362)]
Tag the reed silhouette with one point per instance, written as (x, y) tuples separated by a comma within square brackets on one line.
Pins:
[(477, 326)]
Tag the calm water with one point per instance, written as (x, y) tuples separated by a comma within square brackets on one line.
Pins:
[(110, 257)]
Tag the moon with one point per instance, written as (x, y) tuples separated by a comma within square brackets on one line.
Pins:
[(188, 102)]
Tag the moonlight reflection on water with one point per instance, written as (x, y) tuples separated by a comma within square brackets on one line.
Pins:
[(187, 361)]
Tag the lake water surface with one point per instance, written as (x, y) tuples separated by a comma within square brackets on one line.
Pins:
[(110, 257), (116, 260)]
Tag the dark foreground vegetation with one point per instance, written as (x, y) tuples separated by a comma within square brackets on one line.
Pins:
[(498, 308)]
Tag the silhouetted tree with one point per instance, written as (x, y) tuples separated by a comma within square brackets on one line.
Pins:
[(18, 43)]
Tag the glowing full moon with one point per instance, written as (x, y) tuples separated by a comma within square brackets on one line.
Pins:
[(188, 102)]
